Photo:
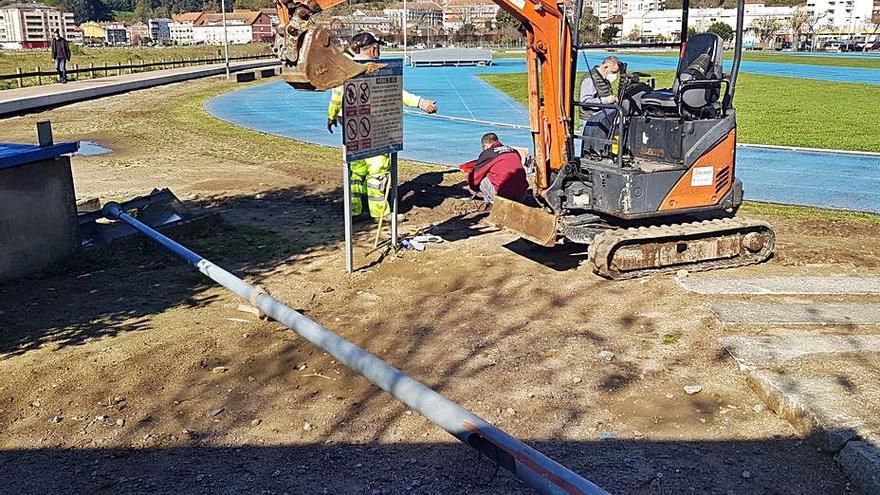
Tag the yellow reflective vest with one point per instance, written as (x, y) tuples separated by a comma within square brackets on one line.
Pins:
[(335, 108)]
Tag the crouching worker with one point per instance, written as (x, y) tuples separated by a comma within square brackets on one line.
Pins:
[(497, 172)]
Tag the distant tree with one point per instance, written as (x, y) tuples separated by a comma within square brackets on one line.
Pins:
[(766, 28), (86, 10), (508, 26), (609, 33), (722, 29), (142, 10), (120, 5), (692, 31), (660, 38), (465, 32), (124, 16), (588, 27), (253, 4), (634, 35)]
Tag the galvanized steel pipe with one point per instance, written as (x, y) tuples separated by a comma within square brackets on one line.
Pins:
[(534, 468)]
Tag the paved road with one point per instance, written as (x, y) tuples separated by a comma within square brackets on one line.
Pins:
[(15, 101)]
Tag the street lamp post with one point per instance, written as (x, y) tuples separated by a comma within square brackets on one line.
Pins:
[(225, 37), (404, 30)]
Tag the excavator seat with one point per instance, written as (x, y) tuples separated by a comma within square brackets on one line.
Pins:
[(698, 79)]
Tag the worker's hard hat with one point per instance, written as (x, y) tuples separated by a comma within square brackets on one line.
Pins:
[(364, 39)]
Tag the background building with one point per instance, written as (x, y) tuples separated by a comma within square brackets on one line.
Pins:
[(160, 32), (845, 16), (115, 33), (242, 26), (649, 25), (457, 13), (93, 33), (31, 25), (422, 14), (345, 26), (138, 34), (180, 29)]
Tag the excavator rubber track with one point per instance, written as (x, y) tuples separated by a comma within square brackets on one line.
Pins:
[(707, 245)]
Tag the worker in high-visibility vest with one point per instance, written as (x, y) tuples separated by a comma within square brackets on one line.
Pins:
[(369, 176)]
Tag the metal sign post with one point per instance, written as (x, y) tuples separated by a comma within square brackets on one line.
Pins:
[(372, 125)]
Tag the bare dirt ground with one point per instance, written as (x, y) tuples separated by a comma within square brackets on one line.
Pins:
[(124, 372)]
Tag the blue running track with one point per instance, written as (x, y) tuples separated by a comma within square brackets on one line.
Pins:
[(826, 179)]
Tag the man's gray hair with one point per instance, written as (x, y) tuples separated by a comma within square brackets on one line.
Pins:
[(611, 58)]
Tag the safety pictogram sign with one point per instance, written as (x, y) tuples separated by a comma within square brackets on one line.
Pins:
[(372, 112), (351, 96)]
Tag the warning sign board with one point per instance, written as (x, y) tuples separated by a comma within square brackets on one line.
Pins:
[(372, 112)]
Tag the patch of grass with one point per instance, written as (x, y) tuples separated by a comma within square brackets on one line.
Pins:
[(809, 213), (782, 58), (780, 110), (753, 56), (29, 60), (669, 339), (241, 242), (512, 54)]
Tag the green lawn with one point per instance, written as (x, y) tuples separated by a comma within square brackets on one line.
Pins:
[(29, 60), (777, 57), (782, 58), (781, 111)]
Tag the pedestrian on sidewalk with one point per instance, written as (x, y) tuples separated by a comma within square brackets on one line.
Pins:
[(60, 54)]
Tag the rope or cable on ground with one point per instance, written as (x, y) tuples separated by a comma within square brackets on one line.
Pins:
[(470, 121)]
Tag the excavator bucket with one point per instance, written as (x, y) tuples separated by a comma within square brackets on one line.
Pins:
[(531, 223), (314, 61)]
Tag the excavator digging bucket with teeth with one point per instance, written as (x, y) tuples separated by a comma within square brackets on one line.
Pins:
[(531, 223), (320, 64)]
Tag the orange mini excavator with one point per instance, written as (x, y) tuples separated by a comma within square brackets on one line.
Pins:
[(657, 193)]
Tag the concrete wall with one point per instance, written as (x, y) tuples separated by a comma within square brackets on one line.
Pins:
[(38, 223)]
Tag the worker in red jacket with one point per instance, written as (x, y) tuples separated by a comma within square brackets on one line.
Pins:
[(497, 172)]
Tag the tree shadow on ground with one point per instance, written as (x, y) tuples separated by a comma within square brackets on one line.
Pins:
[(648, 468), (428, 191), (104, 292), (110, 292)]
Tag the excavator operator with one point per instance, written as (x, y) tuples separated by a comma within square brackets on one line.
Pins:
[(369, 177), (597, 88)]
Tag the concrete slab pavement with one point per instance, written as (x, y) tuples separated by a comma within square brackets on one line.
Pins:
[(780, 285), (827, 387), (766, 313)]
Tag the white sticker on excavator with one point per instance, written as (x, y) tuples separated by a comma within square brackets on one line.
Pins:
[(702, 176), (520, 4)]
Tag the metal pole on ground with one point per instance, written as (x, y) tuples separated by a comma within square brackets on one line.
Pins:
[(225, 37), (538, 471), (346, 208), (393, 200)]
